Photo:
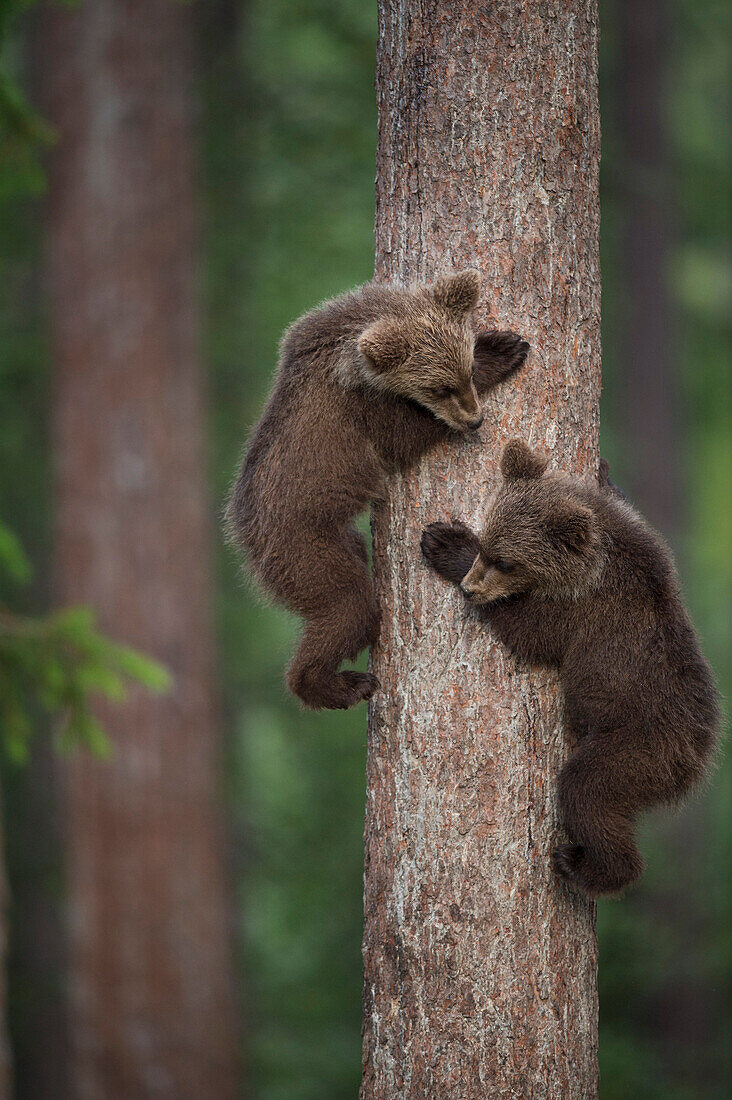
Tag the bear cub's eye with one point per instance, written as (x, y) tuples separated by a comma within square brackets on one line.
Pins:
[(503, 566), (442, 391)]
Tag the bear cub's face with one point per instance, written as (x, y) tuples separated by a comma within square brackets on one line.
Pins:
[(538, 537), (428, 357)]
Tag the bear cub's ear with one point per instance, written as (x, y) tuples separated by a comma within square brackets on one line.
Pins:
[(519, 461), (571, 523), (384, 345), (458, 293)]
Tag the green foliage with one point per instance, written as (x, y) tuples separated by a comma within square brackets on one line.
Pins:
[(13, 560), (58, 663), (23, 133)]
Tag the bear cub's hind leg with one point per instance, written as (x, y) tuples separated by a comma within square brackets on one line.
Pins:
[(598, 805), (347, 620), (313, 674)]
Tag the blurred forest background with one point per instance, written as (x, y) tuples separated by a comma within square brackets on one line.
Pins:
[(284, 147)]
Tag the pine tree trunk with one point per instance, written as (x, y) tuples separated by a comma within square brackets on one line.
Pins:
[(480, 967), (151, 1005)]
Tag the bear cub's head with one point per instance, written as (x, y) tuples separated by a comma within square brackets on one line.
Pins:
[(541, 535), (426, 355)]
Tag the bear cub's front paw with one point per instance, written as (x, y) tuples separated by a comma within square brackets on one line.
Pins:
[(505, 350), (450, 549)]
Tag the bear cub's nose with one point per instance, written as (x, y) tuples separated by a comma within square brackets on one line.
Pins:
[(475, 424)]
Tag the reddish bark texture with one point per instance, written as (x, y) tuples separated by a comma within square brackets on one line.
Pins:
[(480, 967), (151, 1007)]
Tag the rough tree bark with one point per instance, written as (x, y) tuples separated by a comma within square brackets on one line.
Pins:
[(480, 967), (151, 1006)]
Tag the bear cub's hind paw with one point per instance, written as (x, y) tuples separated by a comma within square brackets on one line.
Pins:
[(566, 859), (337, 692), (577, 866), (360, 685)]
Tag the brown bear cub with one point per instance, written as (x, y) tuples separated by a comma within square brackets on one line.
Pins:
[(569, 575), (366, 384)]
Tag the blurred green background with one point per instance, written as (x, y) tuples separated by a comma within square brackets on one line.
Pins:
[(287, 143)]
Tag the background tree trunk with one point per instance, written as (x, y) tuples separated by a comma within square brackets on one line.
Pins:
[(480, 967), (648, 376), (648, 394), (151, 1006)]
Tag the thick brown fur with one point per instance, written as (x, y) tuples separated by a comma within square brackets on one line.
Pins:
[(569, 575), (367, 383)]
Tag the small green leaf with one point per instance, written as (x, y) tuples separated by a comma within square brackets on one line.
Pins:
[(74, 622), (16, 731), (144, 670), (100, 678), (12, 556), (81, 730)]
